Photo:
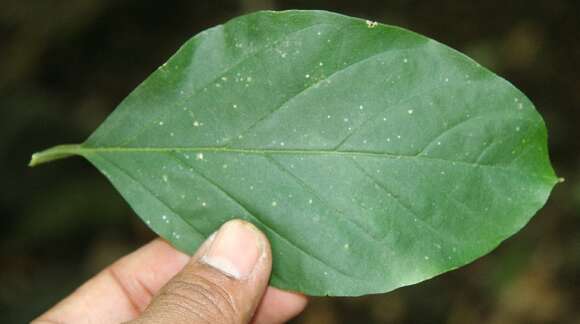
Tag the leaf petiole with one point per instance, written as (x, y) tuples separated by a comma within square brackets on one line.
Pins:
[(55, 153)]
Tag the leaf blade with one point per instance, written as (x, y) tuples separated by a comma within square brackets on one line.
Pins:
[(372, 157)]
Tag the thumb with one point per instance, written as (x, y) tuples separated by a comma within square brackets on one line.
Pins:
[(223, 283)]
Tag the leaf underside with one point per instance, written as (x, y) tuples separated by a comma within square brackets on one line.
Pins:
[(371, 156)]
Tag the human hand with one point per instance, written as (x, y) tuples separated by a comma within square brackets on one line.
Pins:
[(226, 281)]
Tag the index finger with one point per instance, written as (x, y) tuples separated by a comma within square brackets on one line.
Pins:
[(123, 290)]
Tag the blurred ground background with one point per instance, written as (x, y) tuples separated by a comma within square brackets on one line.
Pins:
[(65, 65)]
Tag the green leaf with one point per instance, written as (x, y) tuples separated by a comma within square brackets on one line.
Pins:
[(372, 157)]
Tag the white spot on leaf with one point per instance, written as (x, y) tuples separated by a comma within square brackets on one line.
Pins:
[(371, 24)]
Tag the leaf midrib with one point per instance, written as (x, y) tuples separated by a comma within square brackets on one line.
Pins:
[(62, 151)]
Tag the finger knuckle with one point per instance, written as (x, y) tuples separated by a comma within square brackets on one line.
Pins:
[(200, 298)]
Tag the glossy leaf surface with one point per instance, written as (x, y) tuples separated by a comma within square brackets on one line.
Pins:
[(372, 157)]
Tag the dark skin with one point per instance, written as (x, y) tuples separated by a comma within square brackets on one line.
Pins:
[(226, 281)]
